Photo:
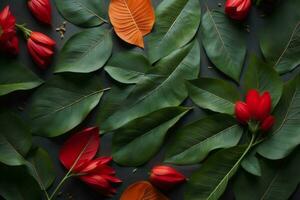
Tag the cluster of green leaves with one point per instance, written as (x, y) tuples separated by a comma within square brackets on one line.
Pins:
[(146, 99)]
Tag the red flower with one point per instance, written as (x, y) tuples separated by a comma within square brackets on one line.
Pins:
[(9, 42), (256, 110), (77, 155), (165, 177), (242, 112), (237, 9), (41, 9), (267, 123), (41, 48)]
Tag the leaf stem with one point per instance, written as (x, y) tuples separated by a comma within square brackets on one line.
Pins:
[(68, 175), (25, 30)]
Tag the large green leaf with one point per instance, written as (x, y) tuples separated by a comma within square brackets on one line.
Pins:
[(162, 87), (137, 141), (193, 142), (278, 181), (211, 180), (213, 94), (263, 77), (85, 13), (15, 77), (41, 167), (17, 184), (63, 102), (15, 139), (176, 24), (251, 163), (131, 71), (285, 135), (224, 42), (85, 52), (281, 48)]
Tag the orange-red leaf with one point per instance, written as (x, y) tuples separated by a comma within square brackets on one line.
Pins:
[(142, 190), (132, 19)]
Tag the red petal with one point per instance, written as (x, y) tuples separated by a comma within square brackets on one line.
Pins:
[(242, 112), (263, 109), (39, 61), (96, 163), (80, 148), (42, 39), (41, 9), (99, 183), (267, 123), (252, 100)]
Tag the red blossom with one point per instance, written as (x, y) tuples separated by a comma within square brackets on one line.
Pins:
[(41, 9), (9, 42), (41, 48), (267, 123), (237, 9), (242, 112), (165, 177)]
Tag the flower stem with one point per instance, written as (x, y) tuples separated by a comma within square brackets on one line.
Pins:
[(68, 175), (25, 30)]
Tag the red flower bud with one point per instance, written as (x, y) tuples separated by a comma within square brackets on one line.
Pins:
[(9, 42), (242, 112), (165, 177), (263, 109), (41, 9), (237, 9), (267, 124), (252, 100), (41, 48)]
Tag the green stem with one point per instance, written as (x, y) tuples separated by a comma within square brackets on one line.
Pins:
[(25, 30), (68, 175)]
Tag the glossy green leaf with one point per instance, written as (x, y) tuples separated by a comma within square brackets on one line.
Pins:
[(85, 13), (282, 54), (211, 180), (129, 72), (17, 184), (41, 168), (224, 43), (278, 181), (285, 136), (62, 103), (162, 87), (193, 142), (15, 139), (15, 77), (213, 94), (85, 52), (137, 141), (177, 22), (263, 77), (251, 163)]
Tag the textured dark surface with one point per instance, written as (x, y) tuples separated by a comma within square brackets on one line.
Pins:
[(74, 189)]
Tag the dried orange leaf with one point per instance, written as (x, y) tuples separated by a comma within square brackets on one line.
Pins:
[(132, 19), (142, 190)]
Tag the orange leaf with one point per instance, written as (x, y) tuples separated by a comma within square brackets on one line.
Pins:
[(142, 190), (132, 19)]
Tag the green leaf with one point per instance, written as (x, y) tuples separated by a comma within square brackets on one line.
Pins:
[(285, 136), (263, 77), (15, 77), (63, 102), (41, 168), (15, 139), (129, 72), (137, 141), (213, 94), (85, 52), (85, 13), (282, 54), (211, 180), (111, 102), (278, 181), (163, 86), (177, 22), (193, 142), (17, 184), (251, 164), (224, 43)]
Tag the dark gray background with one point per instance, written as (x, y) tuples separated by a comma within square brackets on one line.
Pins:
[(74, 189)]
